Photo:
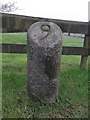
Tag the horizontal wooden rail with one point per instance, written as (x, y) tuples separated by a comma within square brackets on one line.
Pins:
[(22, 48), (18, 23)]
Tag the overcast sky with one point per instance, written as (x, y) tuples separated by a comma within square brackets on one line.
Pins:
[(76, 10)]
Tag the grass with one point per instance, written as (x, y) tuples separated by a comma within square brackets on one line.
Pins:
[(15, 38), (73, 91), (21, 38)]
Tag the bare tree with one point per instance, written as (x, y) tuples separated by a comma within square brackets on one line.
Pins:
[(8, 7)]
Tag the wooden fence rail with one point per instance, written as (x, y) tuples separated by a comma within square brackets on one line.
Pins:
[(22, 48), (19, 23)]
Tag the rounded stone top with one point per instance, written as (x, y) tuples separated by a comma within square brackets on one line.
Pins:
[(45, 34)]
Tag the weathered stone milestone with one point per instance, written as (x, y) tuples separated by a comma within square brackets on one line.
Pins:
[(44, 48)]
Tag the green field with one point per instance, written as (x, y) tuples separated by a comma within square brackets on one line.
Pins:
[(73, 91), (19, 38)]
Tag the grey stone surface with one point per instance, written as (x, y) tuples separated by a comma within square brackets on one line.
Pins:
[(44, 48)]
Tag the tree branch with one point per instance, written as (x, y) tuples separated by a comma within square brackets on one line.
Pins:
[(8, 7)]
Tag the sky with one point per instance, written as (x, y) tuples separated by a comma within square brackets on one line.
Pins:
[(76, 10), (89, 10)]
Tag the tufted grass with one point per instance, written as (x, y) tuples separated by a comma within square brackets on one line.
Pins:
[(73, 89)]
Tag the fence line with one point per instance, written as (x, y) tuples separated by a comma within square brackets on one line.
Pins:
[(22, 48), (19, 23)]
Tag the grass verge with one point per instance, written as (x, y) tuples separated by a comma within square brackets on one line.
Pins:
[(73, 91)]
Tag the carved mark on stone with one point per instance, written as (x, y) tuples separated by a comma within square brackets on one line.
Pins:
[(45, 28)]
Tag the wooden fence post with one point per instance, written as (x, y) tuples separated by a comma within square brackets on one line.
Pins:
[(84, 58)]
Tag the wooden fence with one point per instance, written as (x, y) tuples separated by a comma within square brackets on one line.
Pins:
[(18, 23)]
